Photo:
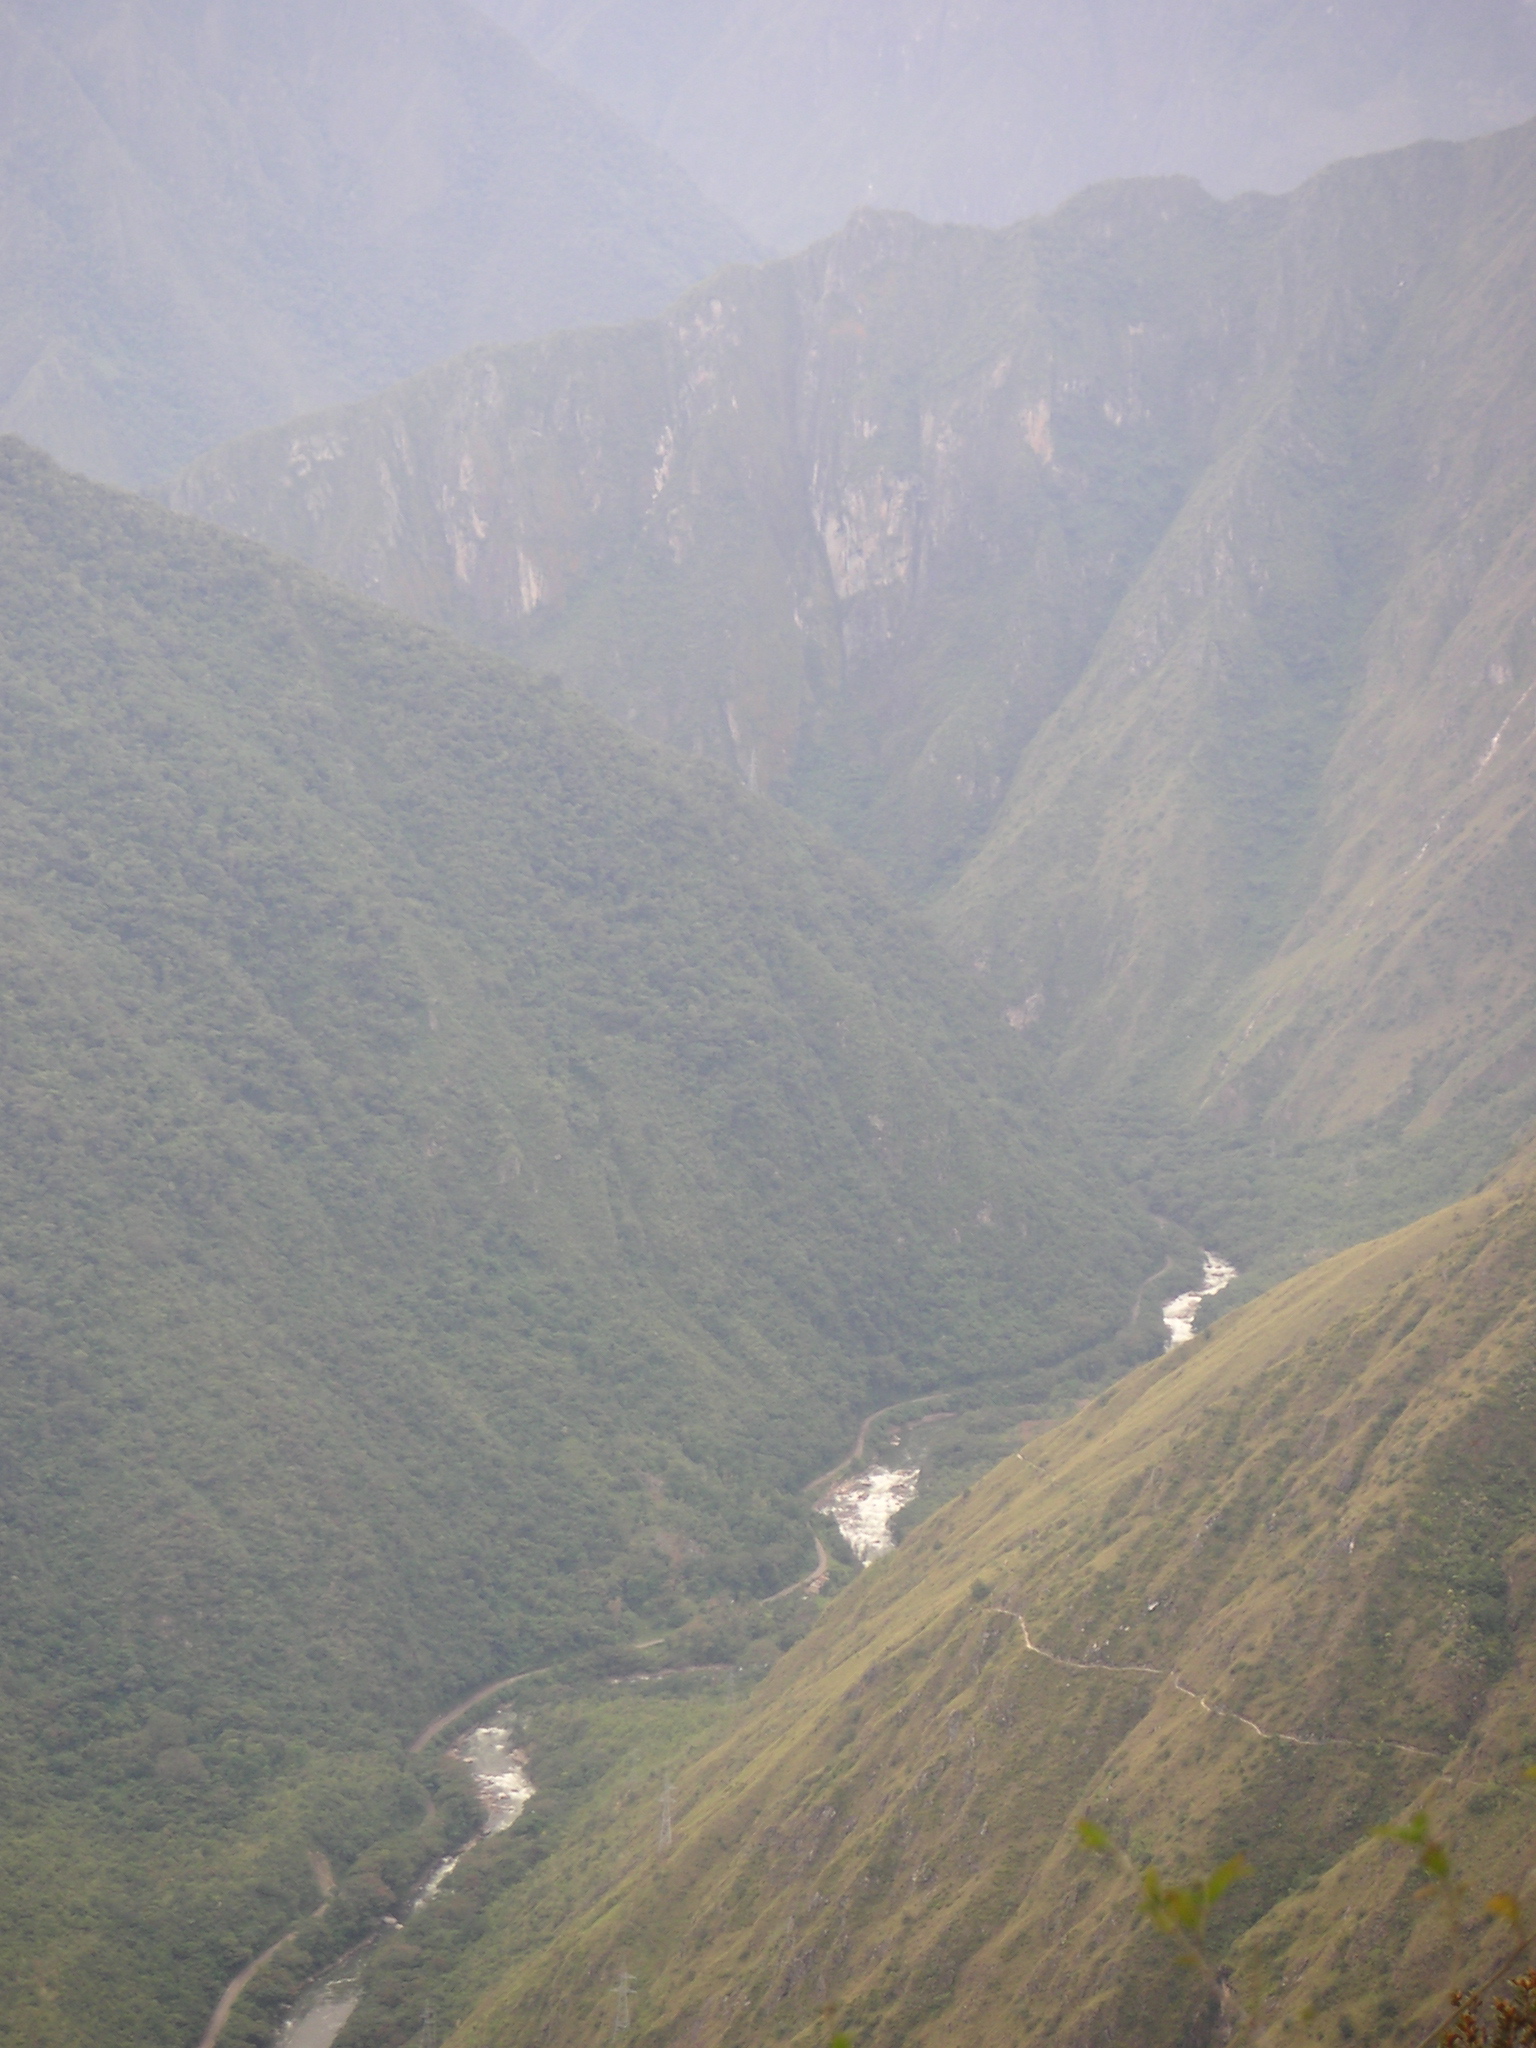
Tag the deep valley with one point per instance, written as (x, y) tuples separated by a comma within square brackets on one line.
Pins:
[(767, 1024)]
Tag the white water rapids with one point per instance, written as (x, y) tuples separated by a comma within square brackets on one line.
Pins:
[(864, 1508), (504, 1788), (1179, 1314)]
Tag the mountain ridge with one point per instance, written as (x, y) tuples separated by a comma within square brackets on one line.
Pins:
[(791, 116), (220, 215), (1105, 580), (464, 1171)]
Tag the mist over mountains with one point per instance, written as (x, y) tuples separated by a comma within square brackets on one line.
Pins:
[(790, 115), (216, 213), (849, 832), (1110, 574)]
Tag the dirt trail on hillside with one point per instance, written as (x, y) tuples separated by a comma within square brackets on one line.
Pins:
[(1150, 1281), (219, 2018), (236, 1985), (813, 1580), (1200, 1700), (474, 1699), (820, 1484)]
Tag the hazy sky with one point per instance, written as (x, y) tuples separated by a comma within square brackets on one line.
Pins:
[(789, 113)]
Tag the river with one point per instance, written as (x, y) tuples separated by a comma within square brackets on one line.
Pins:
[(864, 1508), (504, 1788), (1179, 1314)]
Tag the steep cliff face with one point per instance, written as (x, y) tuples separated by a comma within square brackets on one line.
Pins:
[(1157, 575), (851, 524), (1276, 847)]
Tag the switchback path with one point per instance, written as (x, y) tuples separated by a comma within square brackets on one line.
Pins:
[(1222, 1713)]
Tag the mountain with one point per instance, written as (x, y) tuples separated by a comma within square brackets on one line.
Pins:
[(1283, 822), (464, 1172), (215, 214), (1149, 583), (791, 115), (1266, 1593)]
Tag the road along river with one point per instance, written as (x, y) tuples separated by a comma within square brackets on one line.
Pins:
[(863, 1508), (503, 1787)]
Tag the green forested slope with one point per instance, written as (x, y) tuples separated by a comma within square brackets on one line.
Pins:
[(791, 114), (832, 521), (1279, 1586), (1154, 577), (1275, 849), (216, 215), (463, 1170)]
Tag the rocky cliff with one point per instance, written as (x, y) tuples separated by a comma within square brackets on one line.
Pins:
[(1155, 577)]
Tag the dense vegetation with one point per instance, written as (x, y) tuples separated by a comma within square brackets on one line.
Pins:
[(467, 1169), (215, 215), (463, 1172), (1113, 576), (1279, 1589), (593, 1750)]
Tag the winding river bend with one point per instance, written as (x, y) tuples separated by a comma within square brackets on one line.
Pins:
[(504, 1788), (1179, 1314), (863, 1508)]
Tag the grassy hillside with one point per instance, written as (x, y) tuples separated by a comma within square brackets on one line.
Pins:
[(791, 115), (1267, 1592), (464, 1172), (1153, 579), (213, 216)]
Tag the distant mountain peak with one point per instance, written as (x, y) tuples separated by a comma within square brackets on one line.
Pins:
[(217, 217)]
